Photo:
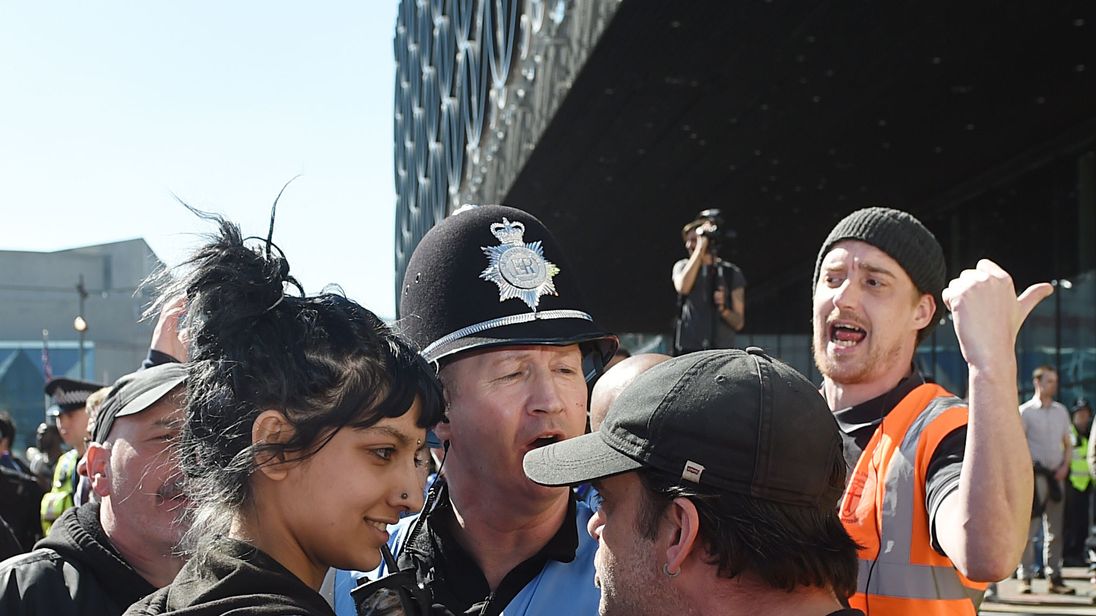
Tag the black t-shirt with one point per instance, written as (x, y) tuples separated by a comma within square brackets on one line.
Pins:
[(698, 313), (858, 423), (455, 579)]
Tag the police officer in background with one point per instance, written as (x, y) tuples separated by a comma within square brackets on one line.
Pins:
[(711, 292), (1077, 517), (69, 411), (490, 298)]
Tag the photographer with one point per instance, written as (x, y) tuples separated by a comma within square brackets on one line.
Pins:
[(711, 291)]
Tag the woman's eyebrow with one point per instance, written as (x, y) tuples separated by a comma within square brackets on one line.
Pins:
[(401, 439)]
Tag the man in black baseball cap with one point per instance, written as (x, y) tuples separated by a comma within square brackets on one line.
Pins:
[(490, 297), (102, 556), (720, 473)]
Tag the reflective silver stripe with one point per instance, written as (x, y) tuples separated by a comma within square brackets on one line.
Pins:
[(896, 533), (975, 597), (893, 575), (503, 321), (906, 581)]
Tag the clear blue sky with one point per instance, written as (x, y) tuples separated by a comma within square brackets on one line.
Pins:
[(107, 109)]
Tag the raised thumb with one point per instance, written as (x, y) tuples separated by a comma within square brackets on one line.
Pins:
[(1031, 297)]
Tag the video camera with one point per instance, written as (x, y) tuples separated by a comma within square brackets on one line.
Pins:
[(716, 231)]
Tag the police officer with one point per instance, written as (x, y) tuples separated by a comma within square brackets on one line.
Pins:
[(1077, 494), (489, 296), (69, 411)]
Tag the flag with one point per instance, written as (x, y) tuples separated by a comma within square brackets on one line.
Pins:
[(47, 370)]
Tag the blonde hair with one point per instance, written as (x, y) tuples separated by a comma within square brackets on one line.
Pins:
[(93, 404)]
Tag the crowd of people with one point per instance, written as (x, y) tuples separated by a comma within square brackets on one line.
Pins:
[(492, 452)]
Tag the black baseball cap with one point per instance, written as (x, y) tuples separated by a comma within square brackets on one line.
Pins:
[(137, 392), (730, 420), (491, 276)]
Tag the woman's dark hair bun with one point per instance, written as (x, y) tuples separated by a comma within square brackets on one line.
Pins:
[(323, 361)]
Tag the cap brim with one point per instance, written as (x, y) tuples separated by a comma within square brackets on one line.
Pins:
[(150, 397), (576, 460), (159, 380), (557, 332)]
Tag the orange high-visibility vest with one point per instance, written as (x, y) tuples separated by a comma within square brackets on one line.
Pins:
[(883, 509)]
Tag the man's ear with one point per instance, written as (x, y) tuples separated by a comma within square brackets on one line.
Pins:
[(684, 521), (271, 428), (443, 430), (97, 468), (923, 312)]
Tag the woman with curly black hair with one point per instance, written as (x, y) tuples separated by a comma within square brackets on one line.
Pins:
[(304, 437)]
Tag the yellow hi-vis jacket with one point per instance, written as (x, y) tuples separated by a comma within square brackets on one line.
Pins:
[(1078, 467)]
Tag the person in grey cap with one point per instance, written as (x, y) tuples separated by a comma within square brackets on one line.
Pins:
[(956, 476), (719, 473), (102, 556), (490, 298)]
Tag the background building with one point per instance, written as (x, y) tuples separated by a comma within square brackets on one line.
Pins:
[(615, 122), (38, 291)]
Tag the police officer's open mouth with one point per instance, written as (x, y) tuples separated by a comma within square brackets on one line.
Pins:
[(846, 335), (544, 440)]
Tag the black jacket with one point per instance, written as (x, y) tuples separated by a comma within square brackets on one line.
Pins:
[(74, 571), (233, 579), (20, 495)]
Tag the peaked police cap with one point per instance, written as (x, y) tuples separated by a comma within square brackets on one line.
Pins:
[(492, 276), (69, 394)]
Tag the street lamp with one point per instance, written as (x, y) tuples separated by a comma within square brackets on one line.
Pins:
[(1060, 283), (79, 324)]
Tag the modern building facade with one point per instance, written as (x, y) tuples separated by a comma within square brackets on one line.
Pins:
[(616, 121), (41, 292)]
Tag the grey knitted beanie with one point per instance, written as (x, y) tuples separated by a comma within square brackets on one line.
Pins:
[(901, 236)]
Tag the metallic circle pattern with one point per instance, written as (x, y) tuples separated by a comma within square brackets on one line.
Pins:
[(452, 57)]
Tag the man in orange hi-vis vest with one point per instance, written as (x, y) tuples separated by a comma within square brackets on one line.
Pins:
[(940, 490)]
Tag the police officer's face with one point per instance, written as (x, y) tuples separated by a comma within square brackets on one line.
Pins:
[(867, 313), (504, 402), (73, 426), (1082, 421)]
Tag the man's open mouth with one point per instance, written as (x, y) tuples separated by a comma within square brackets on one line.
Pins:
[(543, 440), (846, 334)]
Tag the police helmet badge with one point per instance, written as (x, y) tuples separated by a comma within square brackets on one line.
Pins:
[(518, 268)]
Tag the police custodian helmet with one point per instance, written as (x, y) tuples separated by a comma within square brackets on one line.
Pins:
[(491, 276)]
